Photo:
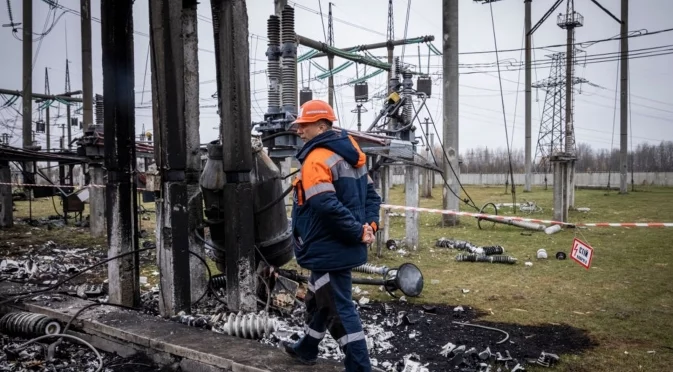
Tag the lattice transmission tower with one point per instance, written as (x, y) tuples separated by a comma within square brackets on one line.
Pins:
[(554, 133)]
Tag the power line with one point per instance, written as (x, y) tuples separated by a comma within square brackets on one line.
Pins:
[(305, 8)]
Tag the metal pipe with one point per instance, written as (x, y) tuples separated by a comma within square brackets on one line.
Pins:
[(522, 224), (385, 44)]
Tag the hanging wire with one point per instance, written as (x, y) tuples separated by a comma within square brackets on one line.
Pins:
[(502, 100)]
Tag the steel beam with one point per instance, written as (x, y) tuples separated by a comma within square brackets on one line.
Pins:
[(385, 44)]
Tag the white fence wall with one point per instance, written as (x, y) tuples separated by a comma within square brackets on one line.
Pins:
[(582, 179)]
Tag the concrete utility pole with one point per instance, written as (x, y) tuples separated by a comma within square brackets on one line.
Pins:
[(120, 155), (624, 100), (529, 99), (427, 173), (411, 172), (450, 105), (170, 153), (87, 69), (233, 64), (197, 272), (386, 173), (97, 199)]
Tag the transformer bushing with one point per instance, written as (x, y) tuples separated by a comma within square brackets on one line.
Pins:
[(282, 69), (272, 230), (273, 55), (289, 60), (407, 91)]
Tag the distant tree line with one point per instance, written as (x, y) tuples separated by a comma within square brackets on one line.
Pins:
[(644, 158)]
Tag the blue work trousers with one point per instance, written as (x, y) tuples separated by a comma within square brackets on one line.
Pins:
[(329, 306)]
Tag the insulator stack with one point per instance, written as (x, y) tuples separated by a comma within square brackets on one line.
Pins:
[(289, 60), (219, 281), (480, 258), (29, 324), (371, 269), (407, 83), (252, 326), (99, 109), (273, 55), (496, 249)]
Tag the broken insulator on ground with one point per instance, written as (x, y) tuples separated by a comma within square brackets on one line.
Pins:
[(371, 269), (29, 324), (254, 326), (444, 243), (491, 259), (495, 249), (391, 244), (190, 320)]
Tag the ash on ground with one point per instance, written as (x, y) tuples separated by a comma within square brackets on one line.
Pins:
[(408, 337), (67, 357)]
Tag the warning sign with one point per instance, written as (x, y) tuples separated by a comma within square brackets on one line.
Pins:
[(582, 253)]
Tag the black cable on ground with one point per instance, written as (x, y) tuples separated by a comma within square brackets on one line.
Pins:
[(17, 296)]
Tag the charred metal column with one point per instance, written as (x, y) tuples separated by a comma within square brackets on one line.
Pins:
[(197, 272), (120, 159), (170, 153), (450, 127), (234, 92), (6, 211)]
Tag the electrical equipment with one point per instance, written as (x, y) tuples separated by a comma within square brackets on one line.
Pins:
[(361, 92), (424, 85), (305, 95)]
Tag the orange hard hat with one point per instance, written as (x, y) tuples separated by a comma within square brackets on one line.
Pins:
[(314, 110)]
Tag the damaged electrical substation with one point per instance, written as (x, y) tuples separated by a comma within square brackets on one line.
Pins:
[(225, 203)]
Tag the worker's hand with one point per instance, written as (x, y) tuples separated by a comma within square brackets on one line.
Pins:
[(368, 236)]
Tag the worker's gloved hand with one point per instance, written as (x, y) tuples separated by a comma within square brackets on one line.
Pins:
[(368, 236)]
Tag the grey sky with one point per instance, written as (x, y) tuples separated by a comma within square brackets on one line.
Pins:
[(481, 121)]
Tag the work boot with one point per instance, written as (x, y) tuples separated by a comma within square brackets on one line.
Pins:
[(287, 348)]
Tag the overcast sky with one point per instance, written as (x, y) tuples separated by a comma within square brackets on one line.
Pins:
[(360, 22)]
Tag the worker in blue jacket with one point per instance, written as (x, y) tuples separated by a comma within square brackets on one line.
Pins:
[(334, 216)]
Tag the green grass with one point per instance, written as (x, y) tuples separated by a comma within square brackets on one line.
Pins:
[(625, 300)]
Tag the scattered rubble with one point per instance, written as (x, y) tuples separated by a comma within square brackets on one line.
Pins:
[(68, 357), (492, 254)]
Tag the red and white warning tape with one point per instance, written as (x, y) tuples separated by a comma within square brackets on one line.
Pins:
[(513, 218)]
